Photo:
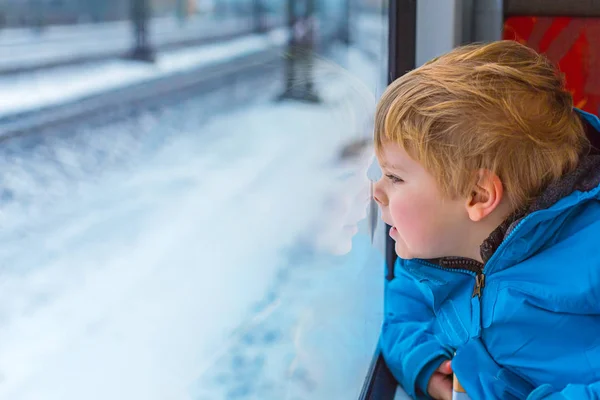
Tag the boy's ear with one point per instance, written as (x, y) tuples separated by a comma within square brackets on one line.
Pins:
[(485, 195)]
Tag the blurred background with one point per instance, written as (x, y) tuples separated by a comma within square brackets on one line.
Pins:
[(184, 198)]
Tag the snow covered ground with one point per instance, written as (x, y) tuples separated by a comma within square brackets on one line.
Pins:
[(58, 85), (171, 257)]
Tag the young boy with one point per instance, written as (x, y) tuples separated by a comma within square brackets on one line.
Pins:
[(492, 191)]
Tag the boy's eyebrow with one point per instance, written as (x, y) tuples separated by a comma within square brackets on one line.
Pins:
[(392, 166)]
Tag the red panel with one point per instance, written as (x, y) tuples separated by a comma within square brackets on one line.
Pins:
[(569, 43)]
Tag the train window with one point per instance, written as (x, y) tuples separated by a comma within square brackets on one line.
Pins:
[(185, 207)]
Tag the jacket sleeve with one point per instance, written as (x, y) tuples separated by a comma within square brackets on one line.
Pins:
[(570, 392), (408, 345)]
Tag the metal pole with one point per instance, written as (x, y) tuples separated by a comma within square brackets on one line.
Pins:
[(181, 10), (140, 18), (37, 11), (98, 10), (346, 23), (291, 52), (258, 13), (308, 53), (299, 84)]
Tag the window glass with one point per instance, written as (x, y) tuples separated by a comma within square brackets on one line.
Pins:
[(184, 203)]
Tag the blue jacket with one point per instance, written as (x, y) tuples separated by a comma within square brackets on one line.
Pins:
[(534, 330)]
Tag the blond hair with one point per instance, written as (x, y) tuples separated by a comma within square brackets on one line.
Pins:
[(499, 106)]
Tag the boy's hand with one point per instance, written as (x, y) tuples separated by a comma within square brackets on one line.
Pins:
[(440, 384)]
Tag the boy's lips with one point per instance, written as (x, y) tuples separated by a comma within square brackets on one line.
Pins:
[(393, 231)]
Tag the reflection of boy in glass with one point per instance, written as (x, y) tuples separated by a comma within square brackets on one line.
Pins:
[(349, 201)]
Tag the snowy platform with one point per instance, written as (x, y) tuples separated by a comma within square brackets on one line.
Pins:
[(46, 88), (28, 49)]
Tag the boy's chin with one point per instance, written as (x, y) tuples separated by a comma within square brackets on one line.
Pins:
[(406, 254)]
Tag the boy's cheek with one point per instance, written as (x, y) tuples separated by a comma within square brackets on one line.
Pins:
[(414, 227), (405, 216)]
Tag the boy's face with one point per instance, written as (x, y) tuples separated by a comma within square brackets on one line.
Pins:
[(424, 223)]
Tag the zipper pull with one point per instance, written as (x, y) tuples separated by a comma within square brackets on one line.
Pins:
[(479, 285)]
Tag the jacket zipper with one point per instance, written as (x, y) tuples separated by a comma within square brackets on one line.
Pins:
[(479, 285), (475, 330), (479, 275), (480, 278), (464, 271)]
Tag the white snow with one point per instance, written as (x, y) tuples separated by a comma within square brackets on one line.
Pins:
[(44, 88), (143, 282)]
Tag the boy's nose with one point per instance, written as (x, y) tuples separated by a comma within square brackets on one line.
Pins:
[(379, 194)]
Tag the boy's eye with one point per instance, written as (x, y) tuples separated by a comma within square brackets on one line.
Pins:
[(394, 178)]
